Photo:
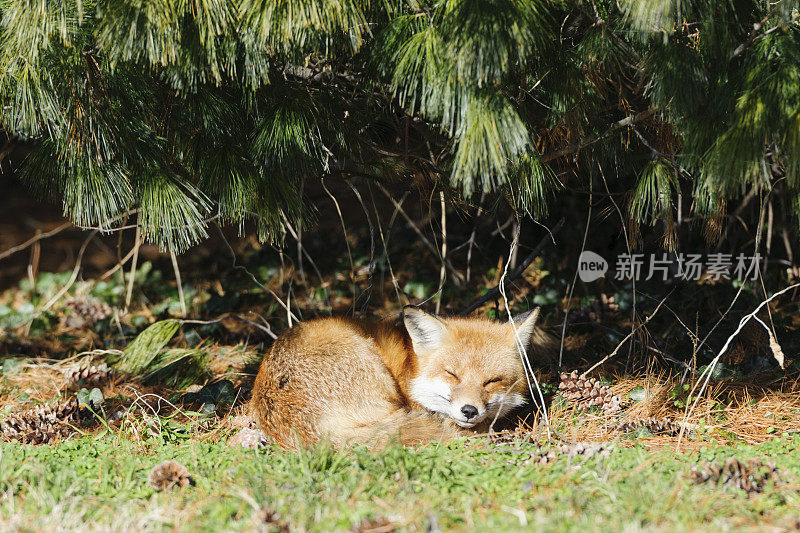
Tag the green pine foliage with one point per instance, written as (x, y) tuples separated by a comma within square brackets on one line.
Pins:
[(175, 114)]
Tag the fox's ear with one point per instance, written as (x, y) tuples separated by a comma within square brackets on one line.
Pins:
[(526, 326), (426, 331)]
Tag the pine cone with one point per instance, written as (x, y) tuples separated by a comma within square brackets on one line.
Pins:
[(548, 454), (41, 425), (90, 309), (507, 437), (273, 518), (376, 525), (656, 426), (588, 392), (750, 477), (168, 475), (87, 373)]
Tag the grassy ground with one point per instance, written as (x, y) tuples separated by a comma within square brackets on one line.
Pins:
[(458, 486), (751, 408)]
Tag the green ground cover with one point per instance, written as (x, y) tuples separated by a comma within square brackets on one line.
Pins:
[(100, 483)]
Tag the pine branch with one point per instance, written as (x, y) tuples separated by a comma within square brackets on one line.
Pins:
[(577, 147), (754, 35)]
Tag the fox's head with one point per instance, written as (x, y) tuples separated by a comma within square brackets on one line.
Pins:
[(468, 369)]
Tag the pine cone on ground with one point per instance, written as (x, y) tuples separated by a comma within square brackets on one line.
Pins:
[(90, 309), (656, 426), (88, 373), (169, 475), (588, 392), (507, 436), (750, 477), (268, 516), (548, 454), (41, 425), (375, 525)]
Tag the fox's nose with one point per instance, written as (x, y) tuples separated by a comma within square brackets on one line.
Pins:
[(470, 411)]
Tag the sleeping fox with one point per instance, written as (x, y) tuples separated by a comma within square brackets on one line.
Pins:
[(352, 381)]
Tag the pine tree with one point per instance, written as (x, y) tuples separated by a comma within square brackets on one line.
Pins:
[(174, 114)]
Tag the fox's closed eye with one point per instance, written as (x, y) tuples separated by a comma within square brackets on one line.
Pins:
[(451, 374), (494, 380)]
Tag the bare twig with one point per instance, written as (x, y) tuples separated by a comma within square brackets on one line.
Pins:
[(7, 148), (743, 285), (346, 242), (442, 270), (629, 335), (298, 237), (710, 368), (529, 374), (575, 277), (471, 240), (33, 266), (754, 35), (71, 280), (395, 283), (458, 278), (628, 247), (627, 121), (265, 329), (253, 278), (494, 292), (137, 241), (34, 239), (178, 281), (371, 269), (119, 265)]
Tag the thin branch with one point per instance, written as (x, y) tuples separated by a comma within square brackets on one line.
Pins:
[(443, 269), (7, 148), (119, 265), (384, 240), (520, 343), (627, 121), (137, 241), (371, 269), (71, 280), (265, 329), (178, 280), (34, 239), (710, 368), (759, 229), (754, 35), (629, 335), (575, 277), (252, 277), (471, 240), (346, 242), (457, 276), (494, 292), (628, 247)]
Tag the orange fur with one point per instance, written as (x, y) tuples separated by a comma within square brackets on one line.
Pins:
[(353, 381)]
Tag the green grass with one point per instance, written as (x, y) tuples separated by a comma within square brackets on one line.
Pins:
[(102, 482)]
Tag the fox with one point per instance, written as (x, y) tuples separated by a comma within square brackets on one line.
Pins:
[(349, 381)]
